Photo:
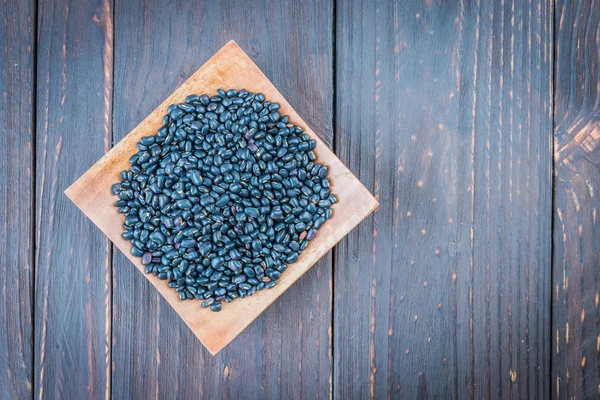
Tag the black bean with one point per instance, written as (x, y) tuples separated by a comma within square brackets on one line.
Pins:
[(147, 140), (223, 197), (184, 204), (204, 99), (192, 98), (115, 189), (270, 284), (305, 216), (252, 212), (196, 178), (253, 281), (216, 276), (275, 275), (276, 214), (146, 258), (292, 258), (222, 201), (217, 262), (319, 222), (158, 237), (137, 252), (131, 220), (208, 302), (188, 243), (235, 265)]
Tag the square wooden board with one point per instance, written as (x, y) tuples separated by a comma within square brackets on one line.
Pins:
[(229, 68)]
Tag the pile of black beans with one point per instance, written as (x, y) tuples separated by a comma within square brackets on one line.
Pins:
[(224, 197)]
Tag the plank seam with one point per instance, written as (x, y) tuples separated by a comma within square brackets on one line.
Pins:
[(333, 145), (553, 189), (33, 188), (111, 255)]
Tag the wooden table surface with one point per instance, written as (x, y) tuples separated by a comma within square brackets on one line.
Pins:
[(475, 123)]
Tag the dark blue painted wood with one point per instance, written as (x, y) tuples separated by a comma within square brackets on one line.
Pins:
[(17, 82), (444, 110)]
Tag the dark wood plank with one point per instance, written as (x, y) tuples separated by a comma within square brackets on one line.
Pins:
[(17, 82), (444, 110), (285, 352), (576, 251), (73, 264)]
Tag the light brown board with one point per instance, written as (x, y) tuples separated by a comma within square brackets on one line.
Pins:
[(229, 68)]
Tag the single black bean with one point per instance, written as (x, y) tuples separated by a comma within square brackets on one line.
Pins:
[(235, 265), (305, 216), (319, 222), (217, 262), (275, 275), (184, 204), (216, 276), (311, 234), (222, 201), (270, 284), (188, 243), (252, 212), (146, 258), (208, 302), (158, 237), (292, 258)]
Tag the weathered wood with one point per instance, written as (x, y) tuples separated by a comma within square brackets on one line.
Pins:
[(73, 263), (17, 81), (444, 110), (576, 250), (286, 351)]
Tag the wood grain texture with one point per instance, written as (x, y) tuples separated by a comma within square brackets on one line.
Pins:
[(444, 111), (17, 82), (73, 264), (443, 108), (576, 251), (286, 351)]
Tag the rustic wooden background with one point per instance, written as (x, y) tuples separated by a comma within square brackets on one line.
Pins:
[(475, 123)]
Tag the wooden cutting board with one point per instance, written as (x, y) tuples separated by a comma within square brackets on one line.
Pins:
[(229, 68)]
